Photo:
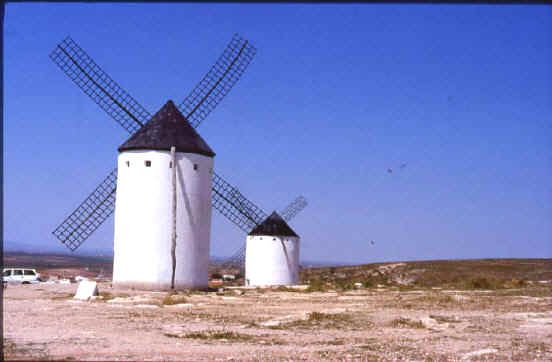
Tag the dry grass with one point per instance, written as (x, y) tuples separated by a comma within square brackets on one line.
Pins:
[(15, 351), (317, 285), (435, 299), (318, 320), (173, 299), (62, 296), (444, 319), (105, 296), (211, 334), (406, 323), (319, 317)]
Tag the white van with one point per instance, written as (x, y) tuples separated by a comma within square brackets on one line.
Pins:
[(20, 275)]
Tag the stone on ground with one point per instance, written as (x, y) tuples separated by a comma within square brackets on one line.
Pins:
[(86, 290)]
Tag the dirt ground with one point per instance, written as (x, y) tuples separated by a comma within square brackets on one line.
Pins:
[(43, 321)]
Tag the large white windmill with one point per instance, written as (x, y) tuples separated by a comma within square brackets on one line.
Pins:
[(163, 206)]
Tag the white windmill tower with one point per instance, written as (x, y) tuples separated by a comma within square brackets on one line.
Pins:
[(163, 206), (289, 212), (272, 254)]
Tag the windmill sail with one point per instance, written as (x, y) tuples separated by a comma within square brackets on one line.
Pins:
[(218, 81), (100, 204), (237, 259), (294, 208), (103, 90), (230, 202), (90, 214), (126, 111)]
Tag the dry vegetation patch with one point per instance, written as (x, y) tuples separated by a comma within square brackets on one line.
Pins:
[(319, 320), (402, 322), (173, 299), (61, 296), (225, 335)]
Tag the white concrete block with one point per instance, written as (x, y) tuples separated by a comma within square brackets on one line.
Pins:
[(86, 290)]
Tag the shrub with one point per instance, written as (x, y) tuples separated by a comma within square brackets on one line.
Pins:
[(172, 299), (317, 285), (106, 296), (368, 283), (406, 323), (319, 320), (522, 283), (344, 285), (319, 316), (214, 335), (480, 283)]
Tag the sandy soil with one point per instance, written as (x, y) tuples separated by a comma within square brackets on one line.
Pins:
[(44, 321)]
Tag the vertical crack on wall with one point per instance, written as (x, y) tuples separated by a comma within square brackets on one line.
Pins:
[(173, 244), (286, 253)]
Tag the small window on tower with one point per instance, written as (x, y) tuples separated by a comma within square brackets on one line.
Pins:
[(170, 164), (148, 163), (195, 166), (128, 163)]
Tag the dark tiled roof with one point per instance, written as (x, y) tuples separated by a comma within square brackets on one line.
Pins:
[(167, 128), (274, 225)]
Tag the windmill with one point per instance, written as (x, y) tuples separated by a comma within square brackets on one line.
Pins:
[(126, 111), (272, 254), (289, 212)]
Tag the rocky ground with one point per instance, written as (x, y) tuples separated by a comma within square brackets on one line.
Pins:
[(43, 321)]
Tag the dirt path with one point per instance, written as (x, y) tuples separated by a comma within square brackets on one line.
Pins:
[(43, 321)]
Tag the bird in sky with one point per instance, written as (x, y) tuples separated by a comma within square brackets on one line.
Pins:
[(402, 166)]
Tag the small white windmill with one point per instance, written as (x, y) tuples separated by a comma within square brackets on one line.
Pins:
[(272, 254)]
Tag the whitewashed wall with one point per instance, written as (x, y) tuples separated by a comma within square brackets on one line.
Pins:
[(143, 220), (271, 260)]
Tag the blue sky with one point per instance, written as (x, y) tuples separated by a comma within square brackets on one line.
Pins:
[(336, 96)]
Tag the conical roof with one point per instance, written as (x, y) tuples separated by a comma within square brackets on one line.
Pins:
[(167, 128), (274, 225)]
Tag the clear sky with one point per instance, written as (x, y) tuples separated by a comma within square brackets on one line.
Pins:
[(336, 95)]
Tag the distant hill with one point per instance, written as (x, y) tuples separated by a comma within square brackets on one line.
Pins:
[(470, 273), (52, 260), (11, 246), (27, 247), (49, 248)]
